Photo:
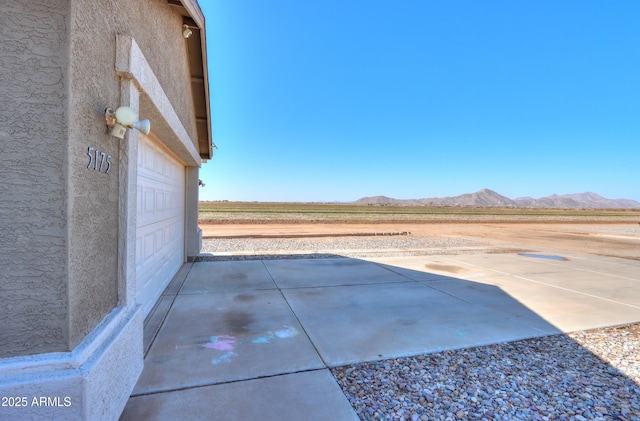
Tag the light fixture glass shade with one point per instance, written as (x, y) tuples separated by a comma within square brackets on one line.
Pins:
[(144, 126), (126, 116)]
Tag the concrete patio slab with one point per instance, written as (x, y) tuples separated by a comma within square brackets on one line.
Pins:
[(604, 286), (411, 268), (567, 295), (479, 265), (494, 265), (253, 339), (544, 307), (221, 337), (519, 264), (227, 276), (311, 396), (300, 273), (372, 322), (606, 278), (428, 268), (492, 294)]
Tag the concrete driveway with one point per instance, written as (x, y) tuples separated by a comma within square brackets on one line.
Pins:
[(254, 339)]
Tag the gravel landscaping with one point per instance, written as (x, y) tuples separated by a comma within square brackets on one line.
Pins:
[(356, 247), (582, 375), (630, 230)]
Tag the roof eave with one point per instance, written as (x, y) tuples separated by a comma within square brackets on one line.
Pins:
[(197, 50)]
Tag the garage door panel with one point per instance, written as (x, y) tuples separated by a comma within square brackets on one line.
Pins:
[(157, 250), (160, 170), (160, 221), (158, 207)]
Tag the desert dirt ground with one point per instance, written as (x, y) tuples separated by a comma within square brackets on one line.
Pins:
[(607, 239)]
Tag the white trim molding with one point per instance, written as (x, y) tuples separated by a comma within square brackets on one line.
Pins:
[(131, 64), (87, 383)]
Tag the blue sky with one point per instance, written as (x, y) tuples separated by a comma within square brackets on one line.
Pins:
[(336, 100)]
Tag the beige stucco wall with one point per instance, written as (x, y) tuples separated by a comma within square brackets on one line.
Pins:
[(94, 196), (33, 176), (59, 230)]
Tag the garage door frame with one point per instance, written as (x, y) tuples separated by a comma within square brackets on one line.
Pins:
[(141, 91)]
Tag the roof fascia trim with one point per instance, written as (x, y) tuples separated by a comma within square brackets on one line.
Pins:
[(193, 9)]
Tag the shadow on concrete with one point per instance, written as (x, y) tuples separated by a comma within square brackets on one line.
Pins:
[(270, 327)]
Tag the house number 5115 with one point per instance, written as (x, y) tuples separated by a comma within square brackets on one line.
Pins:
[(98, 159)]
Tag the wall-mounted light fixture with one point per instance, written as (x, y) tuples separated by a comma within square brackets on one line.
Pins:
[(124, 118), (186, 31)]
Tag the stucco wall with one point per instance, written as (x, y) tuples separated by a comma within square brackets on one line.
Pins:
[(59, 219), (94, 195), (33, 176)]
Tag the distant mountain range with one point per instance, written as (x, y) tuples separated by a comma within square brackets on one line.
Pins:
[(489, 198)]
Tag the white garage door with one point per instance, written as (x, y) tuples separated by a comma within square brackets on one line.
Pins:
[(160, 221)]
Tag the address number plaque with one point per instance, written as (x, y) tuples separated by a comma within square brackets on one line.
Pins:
[(98, 160)]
